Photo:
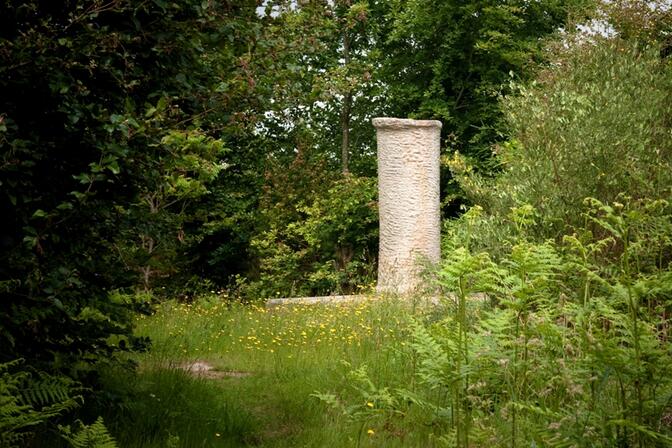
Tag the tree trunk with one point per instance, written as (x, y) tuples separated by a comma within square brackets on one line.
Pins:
[(345, 111)]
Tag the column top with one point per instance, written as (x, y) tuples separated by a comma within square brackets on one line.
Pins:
[(400, 123)]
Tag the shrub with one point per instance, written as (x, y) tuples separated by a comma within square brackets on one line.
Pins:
[(596, 123), (325, 245)]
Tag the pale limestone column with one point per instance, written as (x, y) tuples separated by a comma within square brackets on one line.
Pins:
[(408, 201)]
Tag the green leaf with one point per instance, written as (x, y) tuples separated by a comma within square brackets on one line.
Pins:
[(39, 214)]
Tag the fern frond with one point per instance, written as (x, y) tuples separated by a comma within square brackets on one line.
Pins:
[(46, 390), (94, 435), (15, 417), (434, 360), (28, 400)]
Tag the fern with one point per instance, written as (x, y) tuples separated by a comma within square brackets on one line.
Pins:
[(26, 401), (45, 390), (14, 417), (435, 368), (95, 435)]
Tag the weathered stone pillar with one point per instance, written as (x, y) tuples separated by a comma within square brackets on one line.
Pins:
[(408, 201)]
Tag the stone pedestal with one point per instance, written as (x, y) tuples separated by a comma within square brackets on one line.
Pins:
[(408, 198)]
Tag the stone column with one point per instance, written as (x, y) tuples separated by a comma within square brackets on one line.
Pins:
[(408, 201)]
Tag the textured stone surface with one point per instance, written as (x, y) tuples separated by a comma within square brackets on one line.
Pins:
[(204, 369), (408, 195), (270, 303), (342, 301)]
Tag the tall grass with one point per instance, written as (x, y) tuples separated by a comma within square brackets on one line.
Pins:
[(568, 347), (268, 364), (571, 349)]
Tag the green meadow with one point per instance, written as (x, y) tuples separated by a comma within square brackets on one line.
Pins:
[(268, 366)]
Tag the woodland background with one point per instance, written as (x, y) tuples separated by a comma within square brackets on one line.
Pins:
[(156, 150)]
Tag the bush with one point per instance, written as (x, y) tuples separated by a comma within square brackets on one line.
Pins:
[(326, 244), (596, 123)]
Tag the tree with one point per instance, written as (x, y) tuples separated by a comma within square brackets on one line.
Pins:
[(451, 60), (595, 124), (114, 117), (320, 79), (315, 130), (329, 67)]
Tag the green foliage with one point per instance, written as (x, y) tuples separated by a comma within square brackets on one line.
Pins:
[(154, 144), (644, 22), (180, 172), (561, 341), (107, 156), (328, 68), (115, 119), (594, 124), (319, 72), (319, 241), (31, 400), (94, 435), (571, 349), (450, 60)]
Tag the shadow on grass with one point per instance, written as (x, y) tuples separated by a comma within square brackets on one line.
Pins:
[(168, 407)]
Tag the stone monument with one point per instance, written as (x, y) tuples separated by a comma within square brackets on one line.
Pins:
[(408, 201)]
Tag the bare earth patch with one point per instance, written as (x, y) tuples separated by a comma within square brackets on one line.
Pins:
[(203, 369)]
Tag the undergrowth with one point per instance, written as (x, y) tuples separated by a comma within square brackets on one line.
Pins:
[(568, 345), (558, 343)]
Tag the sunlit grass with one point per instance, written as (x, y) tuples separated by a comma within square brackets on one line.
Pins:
[(272, 361), (256, 336)]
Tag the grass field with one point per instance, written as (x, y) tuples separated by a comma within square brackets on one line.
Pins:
[(384, 373), (267, 366)]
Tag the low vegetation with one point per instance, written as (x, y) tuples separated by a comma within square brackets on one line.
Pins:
[(566, 345), (268, 368)]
